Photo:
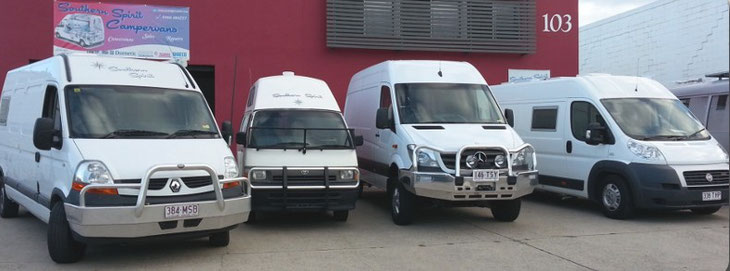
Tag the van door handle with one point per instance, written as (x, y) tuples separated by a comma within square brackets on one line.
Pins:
[(37, 157), (377, 135), (569, 146)]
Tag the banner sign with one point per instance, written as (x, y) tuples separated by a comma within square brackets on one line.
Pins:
[(140, 31), (517, 75)]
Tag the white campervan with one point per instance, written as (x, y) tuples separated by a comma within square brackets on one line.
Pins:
[(432, 130), (296, 149), (625, 142), (83, 30), (115, 149)]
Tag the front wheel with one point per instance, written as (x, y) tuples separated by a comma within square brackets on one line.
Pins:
[(341, 215), (616, 200), (705, 210), (403, 205), (61, 245), (219, 239), (506, 210), (8, 208)]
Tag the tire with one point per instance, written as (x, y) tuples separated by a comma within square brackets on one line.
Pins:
[(220, 239), (506, 210), (403, 205), (705, 210), (341, 216), (615, 198), (360, 189), (251, 218), (61, 245), (8, 208)]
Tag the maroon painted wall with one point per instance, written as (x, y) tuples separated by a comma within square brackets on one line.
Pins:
[(270, 36)]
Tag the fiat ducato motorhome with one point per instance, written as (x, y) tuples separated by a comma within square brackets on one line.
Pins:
[(433, 134), (115, 149), (625, 142), (296, 149)]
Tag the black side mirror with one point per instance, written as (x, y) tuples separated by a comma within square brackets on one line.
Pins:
[(43, 134), (510, 116), (227, 131), (358, 140), (595, 134), (382, 119), (241, 138)]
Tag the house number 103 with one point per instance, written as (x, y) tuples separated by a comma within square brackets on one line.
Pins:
[(558, 23)]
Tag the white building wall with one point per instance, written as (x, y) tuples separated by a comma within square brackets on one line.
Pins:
[(668, 40)]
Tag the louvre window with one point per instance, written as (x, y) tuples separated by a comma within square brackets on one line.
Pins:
[(494, 26)]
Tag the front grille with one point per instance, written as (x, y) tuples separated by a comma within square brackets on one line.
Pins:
[(159, 183), (155, 184), (449, 159), (199, 181), (303, 178), (699, 177), (294, 176)]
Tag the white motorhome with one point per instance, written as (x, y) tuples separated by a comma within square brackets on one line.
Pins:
[(115, 149), (625, 142), (83, 30), (432, 130), (295, 147)]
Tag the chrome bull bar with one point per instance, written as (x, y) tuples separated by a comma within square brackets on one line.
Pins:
[(457, 167), (143, 186)]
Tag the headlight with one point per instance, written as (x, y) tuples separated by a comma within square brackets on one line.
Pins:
[(259, 175), (347, 174), (230, 167), (500, 161), (523, 159), (426, 159), (93, 172), (645, 151)]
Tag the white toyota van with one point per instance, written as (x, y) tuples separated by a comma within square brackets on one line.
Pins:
[(625, 142), (296, 149), (432, 130), (115, 149)]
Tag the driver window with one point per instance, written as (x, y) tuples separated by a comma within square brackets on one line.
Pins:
[(52, 110), (582, 114)]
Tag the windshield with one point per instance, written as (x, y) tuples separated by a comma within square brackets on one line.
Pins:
[(287, 129), (655, 119), (446, 103), (137, 112)]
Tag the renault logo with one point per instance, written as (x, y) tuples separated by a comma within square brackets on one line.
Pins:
[(708, 177), (175, 185)]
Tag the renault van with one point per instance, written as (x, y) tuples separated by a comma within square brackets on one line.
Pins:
[(295, 147), (434, 135), (115, 150), (625, 142)]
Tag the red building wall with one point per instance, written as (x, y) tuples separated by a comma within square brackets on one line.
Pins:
[(271, 36)]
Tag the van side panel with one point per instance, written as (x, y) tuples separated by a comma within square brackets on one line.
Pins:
[(360, 111)]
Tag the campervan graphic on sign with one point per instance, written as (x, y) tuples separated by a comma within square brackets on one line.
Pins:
[(83, 30)]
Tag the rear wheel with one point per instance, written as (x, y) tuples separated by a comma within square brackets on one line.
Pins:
[(506, 210), (8, 208), (402, 205), (61, 245), (706, 210), (219, 239), (341, 215), (616, 200)]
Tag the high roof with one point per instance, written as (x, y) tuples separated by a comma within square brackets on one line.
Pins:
[(292, 92)]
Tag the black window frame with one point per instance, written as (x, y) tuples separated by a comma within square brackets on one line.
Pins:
[(551, 109), (721, 103)]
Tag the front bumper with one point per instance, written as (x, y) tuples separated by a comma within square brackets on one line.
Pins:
[(665, 187), (445, 186), (145, 219)]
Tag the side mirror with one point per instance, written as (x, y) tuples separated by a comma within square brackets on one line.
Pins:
[(382, 119), (241, 138), (595, 134), (227, 131), (358, 140), (43, 134), (510, 116)]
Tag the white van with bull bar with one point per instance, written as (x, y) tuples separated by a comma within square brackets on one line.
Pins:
[(114, 150), (432, 130)]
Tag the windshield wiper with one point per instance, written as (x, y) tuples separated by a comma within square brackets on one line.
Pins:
[(331, 146), (695, 133), (192, 133), (658, 137), (132, 132)]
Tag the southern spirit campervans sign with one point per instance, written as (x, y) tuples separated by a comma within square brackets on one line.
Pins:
[(140, 31)]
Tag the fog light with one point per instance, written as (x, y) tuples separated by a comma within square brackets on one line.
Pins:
[(347, 174), (259, 175), (500, 161)]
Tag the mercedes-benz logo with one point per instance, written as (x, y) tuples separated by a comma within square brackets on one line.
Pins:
[(304, 172), (175, 185), (708, 177), (472, 161)]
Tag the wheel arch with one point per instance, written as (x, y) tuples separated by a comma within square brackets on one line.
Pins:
[(604, 168), (56, 196)]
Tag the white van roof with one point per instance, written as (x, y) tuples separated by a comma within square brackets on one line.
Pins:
[(594, 86), (417, 71), (292, 91), (85, 69)]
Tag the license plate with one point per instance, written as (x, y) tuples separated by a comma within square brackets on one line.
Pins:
[(183, 210), (711, 195), (488, 175)]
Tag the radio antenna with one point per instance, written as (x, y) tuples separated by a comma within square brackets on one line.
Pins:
[(233, 94), (440, 73)]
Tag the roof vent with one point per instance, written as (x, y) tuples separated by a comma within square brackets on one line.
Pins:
[(288, 73)]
